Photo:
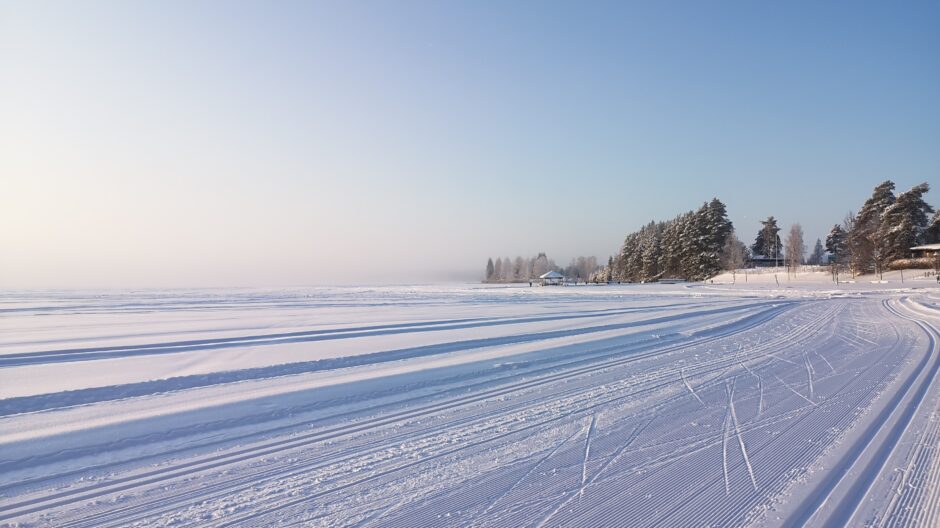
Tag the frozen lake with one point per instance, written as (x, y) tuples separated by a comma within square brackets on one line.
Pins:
[(754, 404)]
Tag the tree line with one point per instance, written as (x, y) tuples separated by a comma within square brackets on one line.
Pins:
[(526, 269), (699, 244), (691, 246)]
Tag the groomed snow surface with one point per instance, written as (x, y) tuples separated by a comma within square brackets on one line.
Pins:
[(719, 404)]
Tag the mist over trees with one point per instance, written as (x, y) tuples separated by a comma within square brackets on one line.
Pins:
[(525, 269), (818, 255)]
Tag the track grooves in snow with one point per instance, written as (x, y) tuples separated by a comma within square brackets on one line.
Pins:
[(846, 506), (617, 410)]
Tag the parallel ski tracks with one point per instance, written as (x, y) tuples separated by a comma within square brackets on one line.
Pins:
[(668, 375), (903, 404), (174, 347), (665, 379), (153, 506), (916, 497), (156, 476), (728, 512)]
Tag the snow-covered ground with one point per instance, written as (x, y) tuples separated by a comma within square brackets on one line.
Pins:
[(769, 401)]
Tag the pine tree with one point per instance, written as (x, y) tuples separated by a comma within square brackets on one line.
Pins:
[(835, 242), (671, 249), (869, 251), (767, 242), (650, 252), (689, 246), (631, 258), (904, 223), (498, 270), (714, 231), (932, 233), (489, 269)]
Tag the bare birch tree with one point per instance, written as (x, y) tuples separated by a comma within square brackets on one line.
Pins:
[(794, 247)]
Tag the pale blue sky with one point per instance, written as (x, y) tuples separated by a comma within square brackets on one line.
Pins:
[(234, 143)]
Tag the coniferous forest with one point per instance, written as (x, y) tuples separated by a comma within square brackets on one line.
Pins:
[(699, 244)]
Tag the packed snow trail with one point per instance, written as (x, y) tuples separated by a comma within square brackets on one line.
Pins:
[(678, 405)]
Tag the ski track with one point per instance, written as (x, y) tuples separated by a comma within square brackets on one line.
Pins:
[(634, 406)]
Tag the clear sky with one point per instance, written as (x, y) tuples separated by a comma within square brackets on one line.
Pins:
[(200, 143)]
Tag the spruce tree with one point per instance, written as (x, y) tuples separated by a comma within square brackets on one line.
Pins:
[(650, 252), (816, 258), (632, 258), (489, 269), (717, 227), (688, 246)]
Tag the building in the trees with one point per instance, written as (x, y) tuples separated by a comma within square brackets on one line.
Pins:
[(926, 251), (761, 261), (552, 278)]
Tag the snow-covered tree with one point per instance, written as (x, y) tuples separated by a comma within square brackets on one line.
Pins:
[(836, 243), (932, 233), (540, 265), (733, 254), (506, 275), (869, 252), (713, 231), (650, 252), (519, 272), (671, 246), (767, 242), (689, 246), (630, 253), (904, 223), (854, 253)]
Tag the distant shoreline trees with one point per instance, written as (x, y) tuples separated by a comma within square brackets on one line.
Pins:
[(506, 270), (698, 244)]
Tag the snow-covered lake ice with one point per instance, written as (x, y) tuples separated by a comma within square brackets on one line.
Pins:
[(757, 404)]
